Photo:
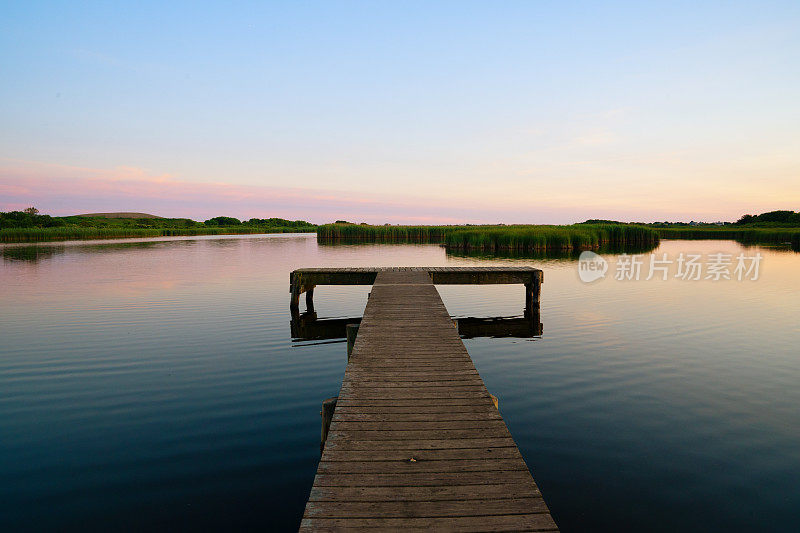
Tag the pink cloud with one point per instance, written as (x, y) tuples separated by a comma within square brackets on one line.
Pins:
[(65, 190)]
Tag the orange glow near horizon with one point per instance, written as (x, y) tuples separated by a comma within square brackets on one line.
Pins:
[(64, 190)]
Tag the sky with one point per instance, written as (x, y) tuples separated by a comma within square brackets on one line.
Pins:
[(402, 112)]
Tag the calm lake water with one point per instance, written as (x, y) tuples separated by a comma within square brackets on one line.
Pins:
[(154, 384)]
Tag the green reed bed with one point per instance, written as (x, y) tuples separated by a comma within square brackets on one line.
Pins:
[(774, 236), (70, 233), (365, 233), (537, 238), (521, 238)]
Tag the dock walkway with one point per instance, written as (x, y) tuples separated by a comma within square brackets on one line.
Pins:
[(415, 440)]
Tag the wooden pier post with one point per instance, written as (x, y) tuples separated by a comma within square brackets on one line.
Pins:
[(328, 406), (528, 298), (533, 294), (352, 333), (295, 289), (310, 297)]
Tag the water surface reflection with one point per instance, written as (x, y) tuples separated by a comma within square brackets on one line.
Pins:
[(151, 384)]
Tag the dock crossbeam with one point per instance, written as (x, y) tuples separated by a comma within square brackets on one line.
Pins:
[(305, 279)]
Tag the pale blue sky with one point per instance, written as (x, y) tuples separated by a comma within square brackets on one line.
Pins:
[(405, 111)]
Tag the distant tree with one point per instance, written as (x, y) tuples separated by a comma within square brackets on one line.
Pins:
[(343, 222), (31, 211), (778, 216), (223, 221), (601, 221), (28, 219), (278, 222), (771, 218)]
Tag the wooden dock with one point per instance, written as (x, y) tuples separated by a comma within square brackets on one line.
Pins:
[(416, 440)]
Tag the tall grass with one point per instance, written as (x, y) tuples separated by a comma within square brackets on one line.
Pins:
[(365, 233), (495, 238), (69, 233), (744, 235), (612, 249), (537, 238)]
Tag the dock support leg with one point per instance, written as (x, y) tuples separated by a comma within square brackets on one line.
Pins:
[(328, 406), (352, 333), (528, 298), (310, 297), (294, 291), (533, 294)]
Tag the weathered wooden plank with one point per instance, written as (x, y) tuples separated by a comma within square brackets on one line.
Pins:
[(420, 408), (417, 494), (416, 401), (384, 417), (424, 509), (408, 366), (419, 393), (413, 425), (419, 479), (508, 452), (520, 522), (417, 465), (410, 374), (472, 433), (363, 383)]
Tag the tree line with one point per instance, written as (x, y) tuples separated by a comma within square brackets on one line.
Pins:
[(31, 218)]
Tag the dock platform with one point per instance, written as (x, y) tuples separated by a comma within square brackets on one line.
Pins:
[(415, 440)]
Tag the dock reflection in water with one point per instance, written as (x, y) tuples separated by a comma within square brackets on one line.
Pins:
[(307, 326)]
